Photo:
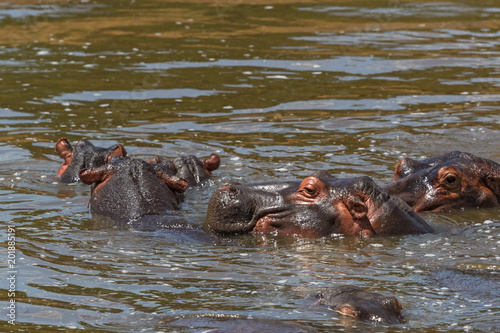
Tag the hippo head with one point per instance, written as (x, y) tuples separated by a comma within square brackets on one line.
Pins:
[(83, 155), (128, 189), (190, 168), (447, 182), (318, 206), (357, 303)]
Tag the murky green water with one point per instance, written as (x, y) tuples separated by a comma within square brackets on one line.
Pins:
[(279, 89)]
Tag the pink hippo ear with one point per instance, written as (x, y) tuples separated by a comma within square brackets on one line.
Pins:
[(118, 150), (96, 175), (357, 207), (405, 167), (212, 163), (175, 183), (64, 150)]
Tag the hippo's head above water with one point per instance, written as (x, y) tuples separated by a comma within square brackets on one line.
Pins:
[(359, 304), (320, 205), (83, 155), (447, 182), (128, 189), (190, 168)]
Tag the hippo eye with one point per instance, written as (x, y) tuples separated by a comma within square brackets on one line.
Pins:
[(450, 179), (311, 188), (309, 191)]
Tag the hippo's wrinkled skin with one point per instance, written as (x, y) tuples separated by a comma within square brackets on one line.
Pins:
[(447, 182), (363, 305), (128, 189), (190, 168), (83, 155), (318, 206)]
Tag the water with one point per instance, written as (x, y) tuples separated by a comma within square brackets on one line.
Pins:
[(279, 90)]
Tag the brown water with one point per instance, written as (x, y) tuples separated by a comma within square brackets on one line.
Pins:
[(279, 89)]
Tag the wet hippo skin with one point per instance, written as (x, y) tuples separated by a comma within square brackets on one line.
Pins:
[(128, 189), (447, 182), (360, 304), (320, 205), (83, 155), (190, 168)]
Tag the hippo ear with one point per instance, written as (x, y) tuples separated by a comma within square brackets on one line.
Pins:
[(118, 150), (403, 168), (96, 175), (64, 149), (408, 166), (212, 163), (357, 207), (173, 182)]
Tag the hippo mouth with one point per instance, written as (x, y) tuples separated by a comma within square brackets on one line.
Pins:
[(270, 220), (62, 168)]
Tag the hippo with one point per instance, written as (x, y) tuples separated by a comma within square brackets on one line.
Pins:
[(447, 182), (127, 189), (83, 155), (318, 206), (360, 304), (190, 168)]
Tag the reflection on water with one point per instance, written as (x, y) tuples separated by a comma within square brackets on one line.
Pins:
[(279, 90)]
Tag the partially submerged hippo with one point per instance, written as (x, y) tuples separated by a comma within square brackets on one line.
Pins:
[(190, 168), (351, 302), (360, 304), (128, 189), (83, 155), (320, 205), (447, 182)]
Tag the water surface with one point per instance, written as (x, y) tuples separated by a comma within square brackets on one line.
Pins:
[(279, 89)]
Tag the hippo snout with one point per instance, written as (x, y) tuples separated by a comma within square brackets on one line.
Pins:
[(227, 213)]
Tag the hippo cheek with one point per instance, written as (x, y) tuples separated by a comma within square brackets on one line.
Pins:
[(438, 201)]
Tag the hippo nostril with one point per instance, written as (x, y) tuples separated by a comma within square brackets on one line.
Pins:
[(384, 196)]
